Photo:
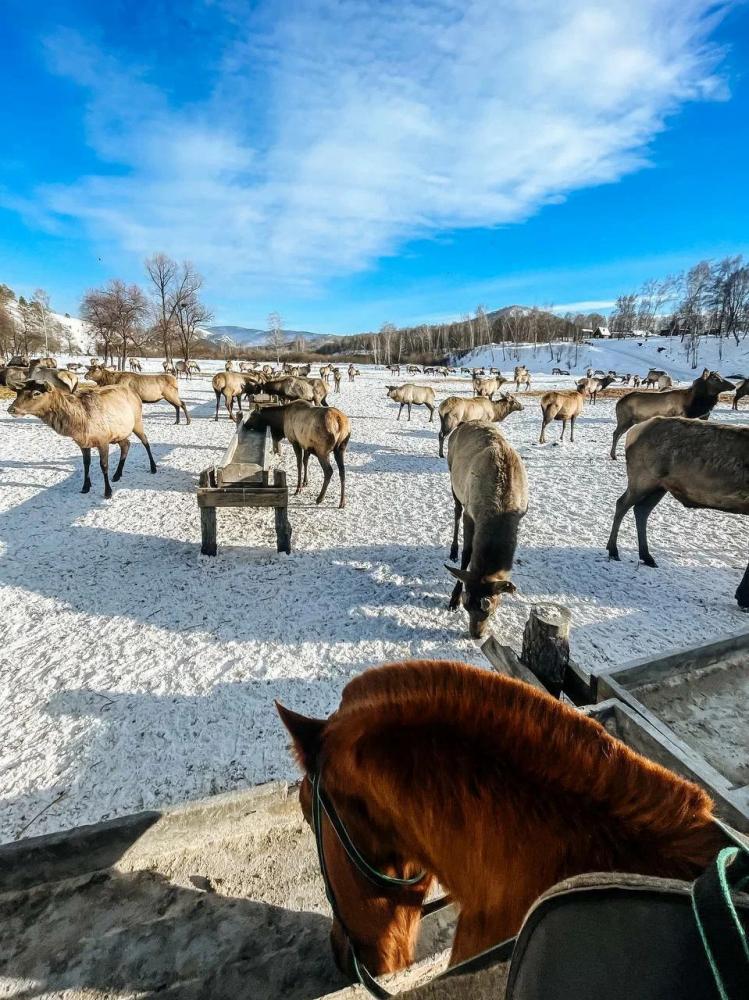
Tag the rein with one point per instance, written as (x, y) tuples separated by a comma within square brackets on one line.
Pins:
[(322, 804)]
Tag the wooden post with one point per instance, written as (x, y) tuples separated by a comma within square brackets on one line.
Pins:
[(283, 525), (208, 531), (505, 661), (546, 646)]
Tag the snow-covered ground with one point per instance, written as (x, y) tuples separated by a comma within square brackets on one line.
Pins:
[(630, 354), (135, 672)]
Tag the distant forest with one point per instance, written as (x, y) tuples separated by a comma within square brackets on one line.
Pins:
[(166, 319)]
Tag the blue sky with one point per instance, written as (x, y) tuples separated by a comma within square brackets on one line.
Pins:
[(352, 162)]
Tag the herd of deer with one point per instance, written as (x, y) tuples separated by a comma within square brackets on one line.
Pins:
[(670, 448)]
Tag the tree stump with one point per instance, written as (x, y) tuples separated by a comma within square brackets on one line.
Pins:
[(546, 647)]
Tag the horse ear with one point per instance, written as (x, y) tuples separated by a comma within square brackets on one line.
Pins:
[(460, 574), (306, 734)]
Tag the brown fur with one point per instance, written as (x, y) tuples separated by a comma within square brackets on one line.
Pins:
[(150, 388), (488, 386), (562, 405), (310, 390), (695, 401), (94, 419), (231, 385), (742, 389), (412, 395), (457, 410), (490, 490), (310, 431), (492, 787), (701, 465)]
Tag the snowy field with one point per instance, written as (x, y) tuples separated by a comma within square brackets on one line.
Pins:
[(136, 672)]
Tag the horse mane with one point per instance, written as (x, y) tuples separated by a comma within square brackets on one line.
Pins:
[(453, 739)]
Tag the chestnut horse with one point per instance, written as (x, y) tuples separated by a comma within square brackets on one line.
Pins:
[(487, 785)]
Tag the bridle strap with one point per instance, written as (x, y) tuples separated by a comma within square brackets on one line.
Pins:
[(321, 804)]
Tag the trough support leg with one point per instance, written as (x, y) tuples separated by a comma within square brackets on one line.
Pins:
[(283, 525), (208, 531), (546, 646)]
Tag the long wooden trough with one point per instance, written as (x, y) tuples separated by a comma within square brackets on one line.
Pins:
[(243, 478)]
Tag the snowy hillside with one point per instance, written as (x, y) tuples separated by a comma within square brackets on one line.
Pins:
[(81, 339), (629, 355), (245, 336)]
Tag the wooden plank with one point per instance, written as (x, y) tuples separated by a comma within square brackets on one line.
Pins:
[(505, 660), (650, 669), (208, 531), (283, 525), (239, 496), (238, 472)]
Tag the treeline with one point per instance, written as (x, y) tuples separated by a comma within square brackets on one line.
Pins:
[(709, 299)]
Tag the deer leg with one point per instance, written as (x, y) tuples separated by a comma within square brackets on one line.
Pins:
[(617, 434), (399, 411), (141, 436), (218, 400), (298, 451), (544, 424), (409, 412), (626, 500), (305, 463), (431, 412), (327, 470), (564, 428), (124, 449), (104, 465), (742, 591), (338, 455), (86, 469), (456, 528), (572, 428), (642, 513), (229, 397), (465, 558)]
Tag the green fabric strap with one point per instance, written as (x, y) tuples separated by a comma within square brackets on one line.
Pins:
[(722, 932)]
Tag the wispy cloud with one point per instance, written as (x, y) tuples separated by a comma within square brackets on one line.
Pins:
[(339, 129)]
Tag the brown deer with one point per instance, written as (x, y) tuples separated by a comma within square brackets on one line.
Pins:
[(93, 419), (490, 490), (695, 401), (562, 405), (310, 431), (701, 465)]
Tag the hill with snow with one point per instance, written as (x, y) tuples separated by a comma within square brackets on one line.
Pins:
[(247, 336), (625, 355)]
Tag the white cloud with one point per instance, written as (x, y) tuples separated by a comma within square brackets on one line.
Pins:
[(342, 128)]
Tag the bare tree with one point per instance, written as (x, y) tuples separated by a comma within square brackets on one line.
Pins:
[(275, 338), (41, 298), (190, 316), (116, 314), (172, 284)]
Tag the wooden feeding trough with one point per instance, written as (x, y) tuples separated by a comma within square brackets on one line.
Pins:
[(695, 703), (243, 479)]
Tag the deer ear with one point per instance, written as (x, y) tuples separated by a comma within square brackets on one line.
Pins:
[(306, 735), (460, 574)]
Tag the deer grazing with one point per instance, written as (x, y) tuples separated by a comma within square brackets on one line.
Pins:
[(93, 419), (289, 387), (697, 400), (412, 395), (231, 385), (562, 405), (150, 388), (490, 490), (310, 431), (701, 465), (592, 386), (487, 386), (457, 410), (135, 365)]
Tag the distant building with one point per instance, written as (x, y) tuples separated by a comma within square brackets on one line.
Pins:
[(601, 332)]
